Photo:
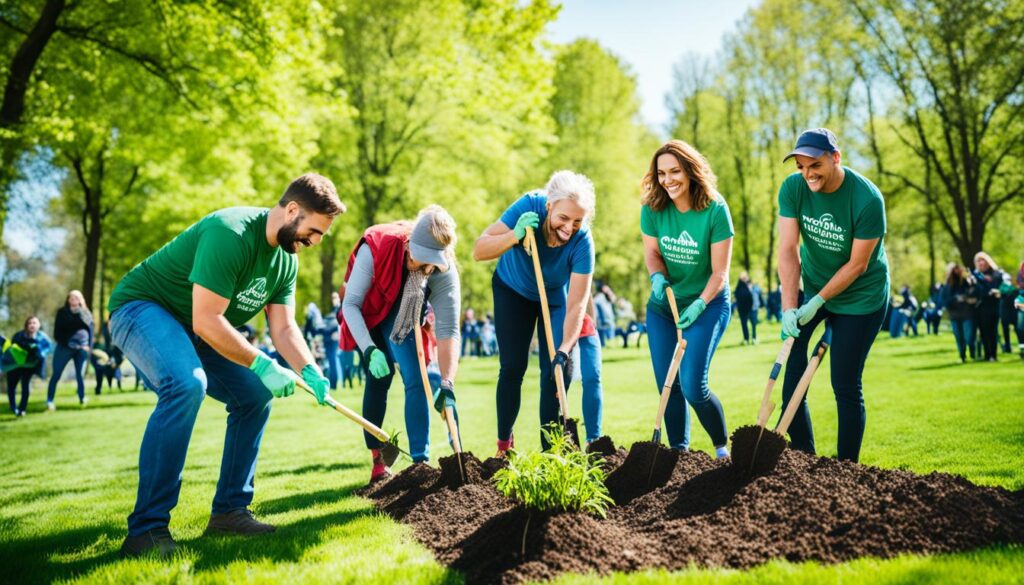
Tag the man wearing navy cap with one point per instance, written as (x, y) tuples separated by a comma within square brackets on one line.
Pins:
[(831, 231)]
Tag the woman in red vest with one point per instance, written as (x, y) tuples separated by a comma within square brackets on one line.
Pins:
[(393, 270)]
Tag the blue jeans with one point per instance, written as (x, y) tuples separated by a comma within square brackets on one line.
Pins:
[(331, 352), (691, 387), (590, 369), (182, 369), (963, 333), (61, 357), (515, 320), (375, 394)]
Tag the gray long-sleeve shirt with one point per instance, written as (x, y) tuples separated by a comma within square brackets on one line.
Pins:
[(444, 295)]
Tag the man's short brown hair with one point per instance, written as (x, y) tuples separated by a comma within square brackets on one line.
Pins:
[(315, 193)]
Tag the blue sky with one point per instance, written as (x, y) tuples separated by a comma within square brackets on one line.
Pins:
[(651, 35)]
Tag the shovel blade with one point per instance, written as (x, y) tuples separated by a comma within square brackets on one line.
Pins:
[(572, 430), (389, 453), (656, 437)]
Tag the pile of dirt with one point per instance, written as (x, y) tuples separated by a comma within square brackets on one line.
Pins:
[(756, 449), (707, 513)]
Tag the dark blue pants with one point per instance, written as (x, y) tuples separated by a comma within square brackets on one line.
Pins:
[(515, 319), (61, 357), (24, 376), (963, 333), (852, 336)]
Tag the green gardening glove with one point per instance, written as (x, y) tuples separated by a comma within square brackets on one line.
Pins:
[(279, 380), (444, 396), (316, 381), (691, 313), (789, 324), (378, 362), (805, 313), (528, 219), (659, 282)]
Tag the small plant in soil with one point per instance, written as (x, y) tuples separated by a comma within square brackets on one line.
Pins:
[(561, 479)]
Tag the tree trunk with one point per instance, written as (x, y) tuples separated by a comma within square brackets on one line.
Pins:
[(13, 107), (328, 256), (93, 237)]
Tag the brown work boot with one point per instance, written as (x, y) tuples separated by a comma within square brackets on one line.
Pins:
[(240, 521), (157, 541)]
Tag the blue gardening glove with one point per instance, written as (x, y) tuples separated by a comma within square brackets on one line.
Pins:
[(316, 381), (378, 362), (805, 313), (528, 219), (658, 285), (691, 313), (789, 324), (279, 380), (444, 396), (562, 359)]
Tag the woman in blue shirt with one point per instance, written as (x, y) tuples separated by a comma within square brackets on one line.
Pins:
[(561, 214)]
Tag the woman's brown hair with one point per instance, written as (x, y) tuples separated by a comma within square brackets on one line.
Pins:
[(703, 182)]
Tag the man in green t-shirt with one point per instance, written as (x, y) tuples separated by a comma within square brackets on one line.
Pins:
[(175, 314), (831, 230)]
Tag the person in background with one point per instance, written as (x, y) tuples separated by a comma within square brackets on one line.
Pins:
[(587, 357), (329, 333), (773, 306), (959, 298), (909, 308), (1018, 303), (989, 278), (932, 313), (106, 359), (488, 339), (24, 356), (604, 312), (1007, 311), (687, 236), (470, 334), (73, 332), (745, 306)]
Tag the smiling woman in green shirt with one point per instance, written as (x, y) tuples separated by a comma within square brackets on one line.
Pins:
[(687, 235), (831, 229)]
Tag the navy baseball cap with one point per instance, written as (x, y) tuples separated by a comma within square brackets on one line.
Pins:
[(814, 143)]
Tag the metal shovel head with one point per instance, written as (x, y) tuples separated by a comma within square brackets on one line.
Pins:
[(389, 452), (656, 436), (755, 449)]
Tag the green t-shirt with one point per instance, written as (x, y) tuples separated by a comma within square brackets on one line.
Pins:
[(684, 240), (829, 222), (226, 252)]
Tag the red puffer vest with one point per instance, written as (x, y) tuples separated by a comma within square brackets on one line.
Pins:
[(387, 244)]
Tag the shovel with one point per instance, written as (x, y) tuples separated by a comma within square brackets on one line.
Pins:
[(389, 448), (448, 414), (673, 371), (568, 424), (772, 443), (739, 456)]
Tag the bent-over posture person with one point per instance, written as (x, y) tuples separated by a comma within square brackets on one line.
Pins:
[(393, 270), (174, 316), (561, 215), (831, 230)]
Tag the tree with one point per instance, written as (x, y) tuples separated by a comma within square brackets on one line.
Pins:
[(958, 73)]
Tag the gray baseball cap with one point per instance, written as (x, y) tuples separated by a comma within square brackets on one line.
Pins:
[(423, 247)]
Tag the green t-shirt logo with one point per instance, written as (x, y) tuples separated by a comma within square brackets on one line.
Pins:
[(681, 250), (824, 231), (254, 297)]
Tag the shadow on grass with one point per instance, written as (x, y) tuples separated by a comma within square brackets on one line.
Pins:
[(315, 468), (60, 555), (304, 500), (944, 366)]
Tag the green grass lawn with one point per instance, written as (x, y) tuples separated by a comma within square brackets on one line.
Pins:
[(68, 478)]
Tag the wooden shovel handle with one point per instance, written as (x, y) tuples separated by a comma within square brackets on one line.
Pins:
[(801, 388), (675, 311), (447, 415), (670, 377), (531, 243), (766, 405), (351, 414)]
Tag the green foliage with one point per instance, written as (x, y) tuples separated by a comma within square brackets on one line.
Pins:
[(561, 479)]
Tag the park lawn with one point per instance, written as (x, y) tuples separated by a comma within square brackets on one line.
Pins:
[(68, 478)]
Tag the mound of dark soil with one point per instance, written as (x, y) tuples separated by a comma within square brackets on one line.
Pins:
[(454, 476), (603, 446), (768, 444), (707, 513)]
